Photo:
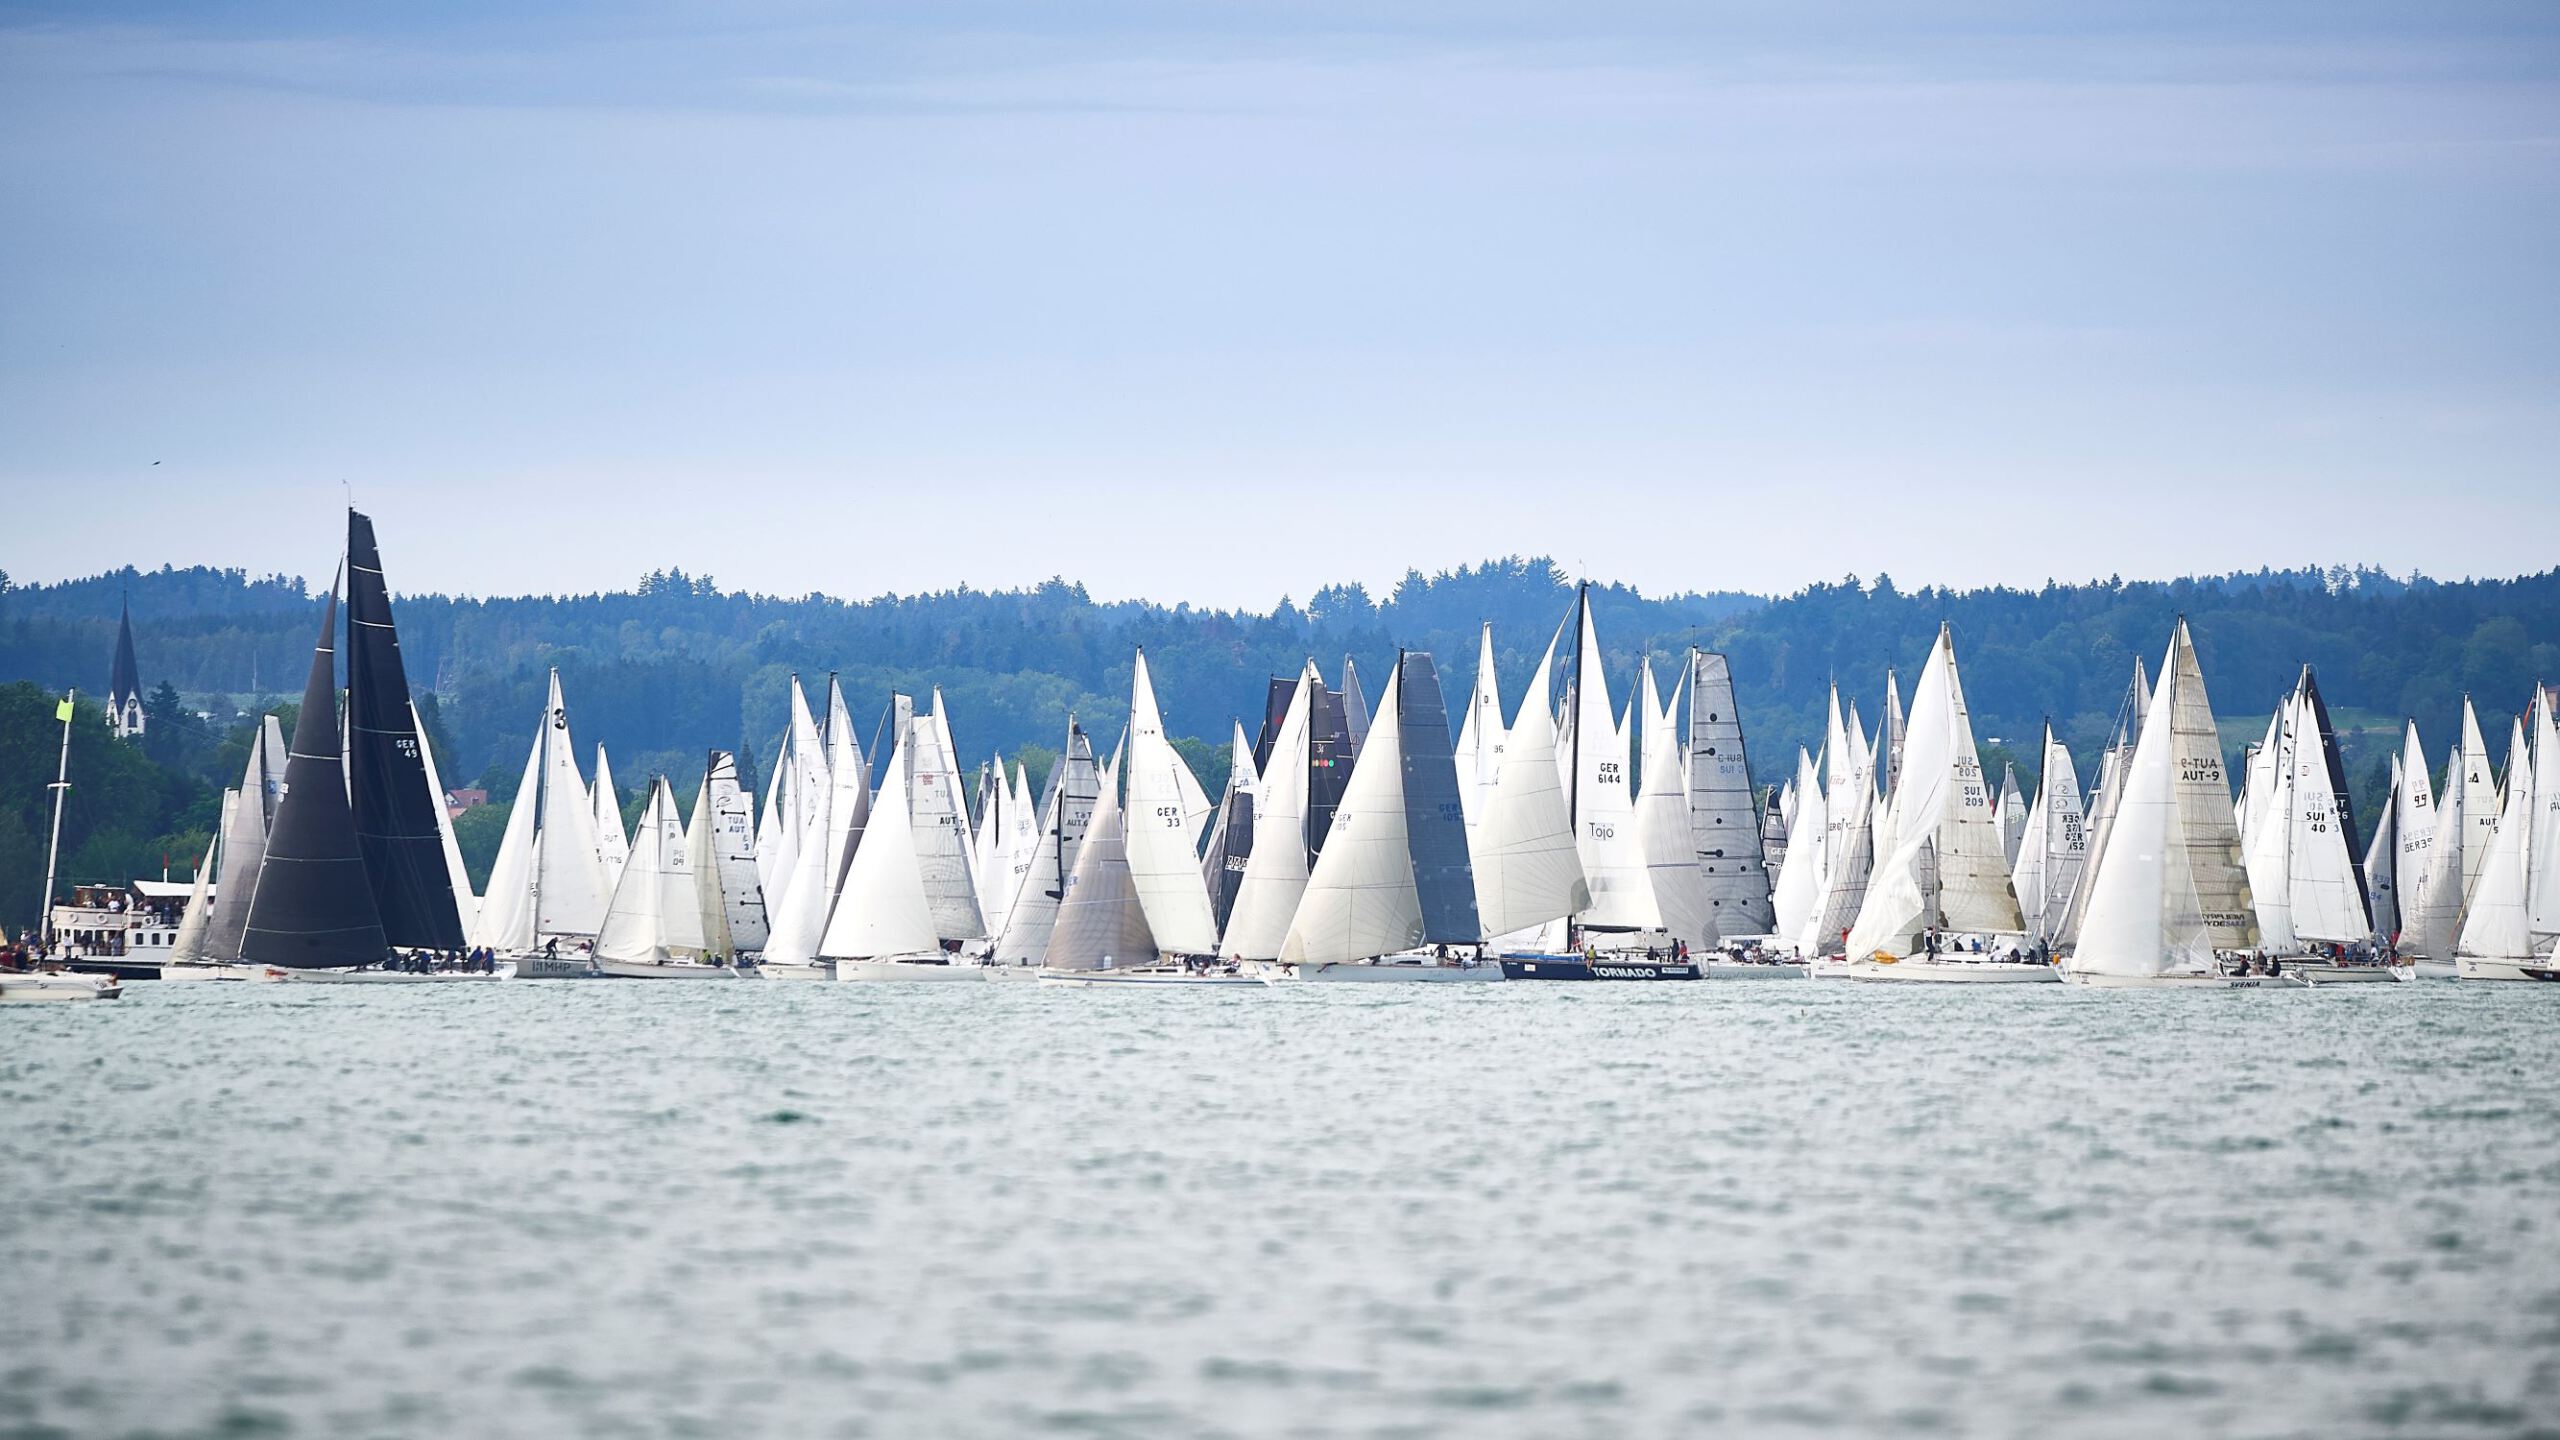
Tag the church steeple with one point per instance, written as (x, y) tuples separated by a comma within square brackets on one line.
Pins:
[(124, 689)]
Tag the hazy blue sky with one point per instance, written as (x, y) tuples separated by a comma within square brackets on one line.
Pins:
[(1217, 302)]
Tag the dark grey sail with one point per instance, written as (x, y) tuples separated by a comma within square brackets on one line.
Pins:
[(313, 906), (1230, 840), (1723, 823), (1329, 757), (395, 807), (1435, 823)]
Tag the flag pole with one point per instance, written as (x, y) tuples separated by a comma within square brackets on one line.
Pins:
[(61, 786)]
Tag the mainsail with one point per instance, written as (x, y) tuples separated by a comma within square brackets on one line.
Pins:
[(1359, 901), (1527, 870), (395, 803), (1161, 827), (548, 880), (1275, 874), (1601, 796), (1074, 789), (2053, 844), (613, 844), (656, 913), (188, 947), (883, 910), (244, 840), (1724, 822), (313, 905), (1101, 924), (1672, 868), (1230, 845), (722, 852), (1947, 869)]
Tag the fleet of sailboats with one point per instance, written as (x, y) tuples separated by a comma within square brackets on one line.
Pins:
[(1566, 837)]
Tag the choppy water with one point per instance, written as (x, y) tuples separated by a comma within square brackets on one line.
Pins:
[(1767, 1207)]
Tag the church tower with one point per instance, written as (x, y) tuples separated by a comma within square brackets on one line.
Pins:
[(124, 690)]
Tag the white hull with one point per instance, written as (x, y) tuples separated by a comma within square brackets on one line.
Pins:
[(2314, 973), (2471, 967), (2171, 982), (1748, 970), (777, 970), (1012, 972), (538, 966), (380, 977), (1144, 977), (671, 970), (2439, 970), (16, 988), (211, 970), (1944, 971), (1377, 972), (923, 970)]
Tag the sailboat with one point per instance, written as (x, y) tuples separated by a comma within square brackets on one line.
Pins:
[(2456, 849), (1672, 867), (935, 858), (1724, 822), (2171, 896), (1801, 882), (882, 926), (613, 843), (1275, 872), (2052, 845), (1074, 787), (1230, 845), (313, 905), (2297, 837), (1941, 907), (830, 791), (653, 925), (1104, 934), (720, 847), (2508, 930), (547, 889), (1849, 805), (2104, 795), (1393, 896)]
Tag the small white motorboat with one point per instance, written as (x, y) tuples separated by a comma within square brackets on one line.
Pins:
[(19, 986)]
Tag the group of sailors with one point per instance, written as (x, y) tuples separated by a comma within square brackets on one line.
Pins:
[(479, 960)]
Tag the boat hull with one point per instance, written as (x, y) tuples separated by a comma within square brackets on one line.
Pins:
[(1921, 970), (646, 970), (1382, 973), (2314, 973), (1575, 967), (2469, 967), (213, 970), (781, 970), (1143, 977), (1752, 970), (2439, 970), (910, 970), (538, 966), (380, 977), (17, 988), (2171, 982)]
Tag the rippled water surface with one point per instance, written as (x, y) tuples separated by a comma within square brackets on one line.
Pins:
[(1764, 1207)]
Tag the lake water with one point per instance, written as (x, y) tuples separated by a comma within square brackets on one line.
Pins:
[(1765, 1208)]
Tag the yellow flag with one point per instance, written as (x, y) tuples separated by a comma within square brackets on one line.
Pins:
[(63, 710)]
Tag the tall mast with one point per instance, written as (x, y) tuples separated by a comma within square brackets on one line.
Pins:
[(61, 787), (1573, 790), (541, 780)]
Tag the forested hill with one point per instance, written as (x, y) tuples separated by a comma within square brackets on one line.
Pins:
[(660, 672)]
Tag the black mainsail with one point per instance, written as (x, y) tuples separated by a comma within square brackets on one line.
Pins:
[(313, 906), (395, 816), (1435, 825)]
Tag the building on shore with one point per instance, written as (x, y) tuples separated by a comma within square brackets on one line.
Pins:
[(124, 686)]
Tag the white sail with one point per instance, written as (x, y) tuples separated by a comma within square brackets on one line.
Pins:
[(1275, 874), (2012, 814), (1360, 900), (1724, 822), (505, 921), (570, 889), (1849, 838), (244, 842), (2213, 870), (2496, 925), (830, 787), (1947, 869), (1074, 790), (799, 806), (1481, 737), (724, 859), (2103, 797), (1161, 829), (2480, 809), (188, 947), (772, 868), (655, 914), (882, 910), (2381, 863), (1800, 879), (2413, 816), (1528, 871), (848, 792), (1101, 924), (2542, 843), (2143, 918), (456, 873), (2263, 818), (2055, 844), (2326, 903), (613, 844), (1889, 766), (938, 819), (1672, 869), (1602, 800), (951, 778)]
